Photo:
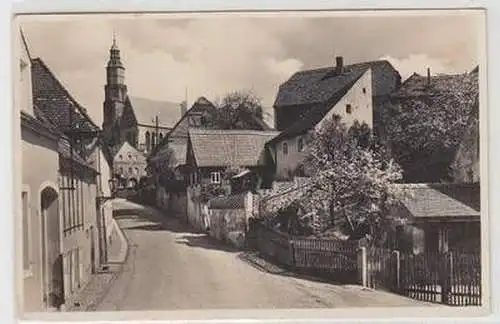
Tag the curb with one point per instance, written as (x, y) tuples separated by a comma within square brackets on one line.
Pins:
[(122, 256)]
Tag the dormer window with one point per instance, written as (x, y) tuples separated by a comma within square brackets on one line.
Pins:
[(348, 109)]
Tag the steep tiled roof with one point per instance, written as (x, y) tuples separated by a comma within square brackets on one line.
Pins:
[(180, 129), (441, 200), (228, 147), (146, 110), (314, 115), (55, 102), (418, 86), (56, 107), (320, 85)]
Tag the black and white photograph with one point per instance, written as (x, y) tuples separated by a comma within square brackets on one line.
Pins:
[(250, 160)]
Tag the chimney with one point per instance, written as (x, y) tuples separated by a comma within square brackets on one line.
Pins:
[(183, 108), (428, 76), (339, 67)]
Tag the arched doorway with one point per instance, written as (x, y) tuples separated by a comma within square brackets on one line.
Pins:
[(53, 286)]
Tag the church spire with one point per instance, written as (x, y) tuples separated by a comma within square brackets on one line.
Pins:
[(114, 54)]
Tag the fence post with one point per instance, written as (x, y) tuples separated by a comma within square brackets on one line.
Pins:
[(363, 266), (291, 245), (446, 272), (397, 269)]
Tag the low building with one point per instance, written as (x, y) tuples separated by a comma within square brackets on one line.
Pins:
[(212, 155), (310, 97), (439, 218), (211, 152)]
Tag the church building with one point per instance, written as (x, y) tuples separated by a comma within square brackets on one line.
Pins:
[(140, 122)]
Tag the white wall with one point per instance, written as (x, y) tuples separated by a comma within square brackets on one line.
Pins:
[(360, 99), (25, 88)]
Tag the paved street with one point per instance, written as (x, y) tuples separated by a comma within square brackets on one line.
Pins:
[(169, 267)]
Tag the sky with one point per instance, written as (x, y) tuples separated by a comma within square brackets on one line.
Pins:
[(169, 56)]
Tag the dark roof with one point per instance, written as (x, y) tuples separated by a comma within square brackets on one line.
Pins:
[(56, 107), (129, 118), (228, 147), (180, 129), (55, 102), (313, 116), (441, 200), (418, 86), (320, 85)]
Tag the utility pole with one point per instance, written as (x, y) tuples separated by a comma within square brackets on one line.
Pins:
[(157, 130)]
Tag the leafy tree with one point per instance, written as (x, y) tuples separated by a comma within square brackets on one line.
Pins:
[(425, 125), (350, 187), (237, 110)]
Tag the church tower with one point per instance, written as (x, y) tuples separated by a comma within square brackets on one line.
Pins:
[(115, 94)]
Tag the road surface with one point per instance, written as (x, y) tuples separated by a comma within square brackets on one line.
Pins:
[(171, 268)]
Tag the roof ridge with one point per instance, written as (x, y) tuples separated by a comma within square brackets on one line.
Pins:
[(243, 131)]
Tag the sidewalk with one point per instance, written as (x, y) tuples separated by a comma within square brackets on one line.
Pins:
[(96, 289)]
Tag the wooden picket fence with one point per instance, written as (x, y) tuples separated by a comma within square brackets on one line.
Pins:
[(452, 278), (336, 260)]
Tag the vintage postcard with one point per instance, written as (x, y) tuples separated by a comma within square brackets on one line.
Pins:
[(251, 165)]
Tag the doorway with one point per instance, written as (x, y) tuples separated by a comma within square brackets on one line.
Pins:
[(53, 284)]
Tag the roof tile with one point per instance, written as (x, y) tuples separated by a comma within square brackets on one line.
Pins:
[(229, 147)]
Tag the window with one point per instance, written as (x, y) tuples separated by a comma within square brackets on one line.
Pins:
[(148, 141), (26, 232), (348, 108), (285, 148), (129, 170), (364, 90), (130, 156), (136, 171), (121, 170), (300, 144), (161, 137), (153, 141), (215, 177), (120, 157)]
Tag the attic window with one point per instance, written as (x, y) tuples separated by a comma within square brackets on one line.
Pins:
[(364, 90), (348, 108)]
